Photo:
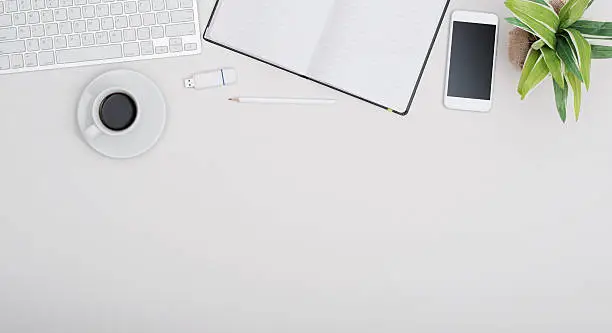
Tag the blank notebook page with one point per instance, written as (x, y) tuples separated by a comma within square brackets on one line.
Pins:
[(283, 32), (374, 49)]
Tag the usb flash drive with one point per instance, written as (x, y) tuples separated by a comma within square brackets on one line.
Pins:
[(212, 79)]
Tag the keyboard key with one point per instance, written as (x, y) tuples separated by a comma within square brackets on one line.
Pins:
[(46, 58), (135, 20), (51, 29), (130, 7), (186, 3), (33, 17), (131, 49), (52, 3), (24, 32), (121, 22), (19, 19), (4, 62), (89, 54), (93, 25), (157, 32), (74, 13), (24, 5), (143, 33), (172, 4), (93, 2), (65, 28), (144, 6), (89, 11), (46, 16), (8, 34), (116, 36), (157, 5), (65, 3), (191, 47), (32, 45), (80, 2), (146, 47), (107, 23), (102, 10), (163, 17), (38, 30), (60, 42), (116, 8), (1, 7), (6, 20), (79, 26), (38, 4), (10, 6), (46, 43), (30, 59), (148, 19), (60, 14), (183, 29), (74, 41), (88, 39), (16, 61), (101, 37), (180, 16), (161, 49), (129, 35), (176, 46), (12, 47)]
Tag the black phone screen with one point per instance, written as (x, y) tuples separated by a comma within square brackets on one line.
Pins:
[(471, 60)]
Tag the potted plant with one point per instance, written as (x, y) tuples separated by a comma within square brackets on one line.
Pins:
[(552, 40)]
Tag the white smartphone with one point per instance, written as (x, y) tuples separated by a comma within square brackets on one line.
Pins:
[(470, 70)]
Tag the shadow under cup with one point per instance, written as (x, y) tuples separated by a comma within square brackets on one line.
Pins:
[(118, 111)]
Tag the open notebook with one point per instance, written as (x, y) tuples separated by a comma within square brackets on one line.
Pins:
[(374, 50)]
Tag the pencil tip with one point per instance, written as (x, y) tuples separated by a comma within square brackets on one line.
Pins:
[(233, 99)]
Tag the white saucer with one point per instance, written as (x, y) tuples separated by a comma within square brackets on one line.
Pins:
[(151, 109)]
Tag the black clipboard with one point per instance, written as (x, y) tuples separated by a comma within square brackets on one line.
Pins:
[(414, 90)]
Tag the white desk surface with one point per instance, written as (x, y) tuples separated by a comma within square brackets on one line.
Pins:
[(278, 219)]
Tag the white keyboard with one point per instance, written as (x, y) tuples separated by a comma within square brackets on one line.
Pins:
[(49, 34)]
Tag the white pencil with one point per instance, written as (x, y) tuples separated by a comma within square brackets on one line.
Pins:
[(301, 101)]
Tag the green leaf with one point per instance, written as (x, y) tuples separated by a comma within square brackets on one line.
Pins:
[(542, 20), (590, 3), (601, 52), (572, 12), (536, 10), (596, 38), (594, 29), (561, 99), (542, 2), (530, 61), (517, 23), (554, 65), (567, 55), (583, 51), (532, 75), (577, 91), (538, 44)]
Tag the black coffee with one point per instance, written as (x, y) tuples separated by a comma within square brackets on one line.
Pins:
[(118, 111)]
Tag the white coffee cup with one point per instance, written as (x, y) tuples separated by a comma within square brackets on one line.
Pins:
[(114, 112)]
